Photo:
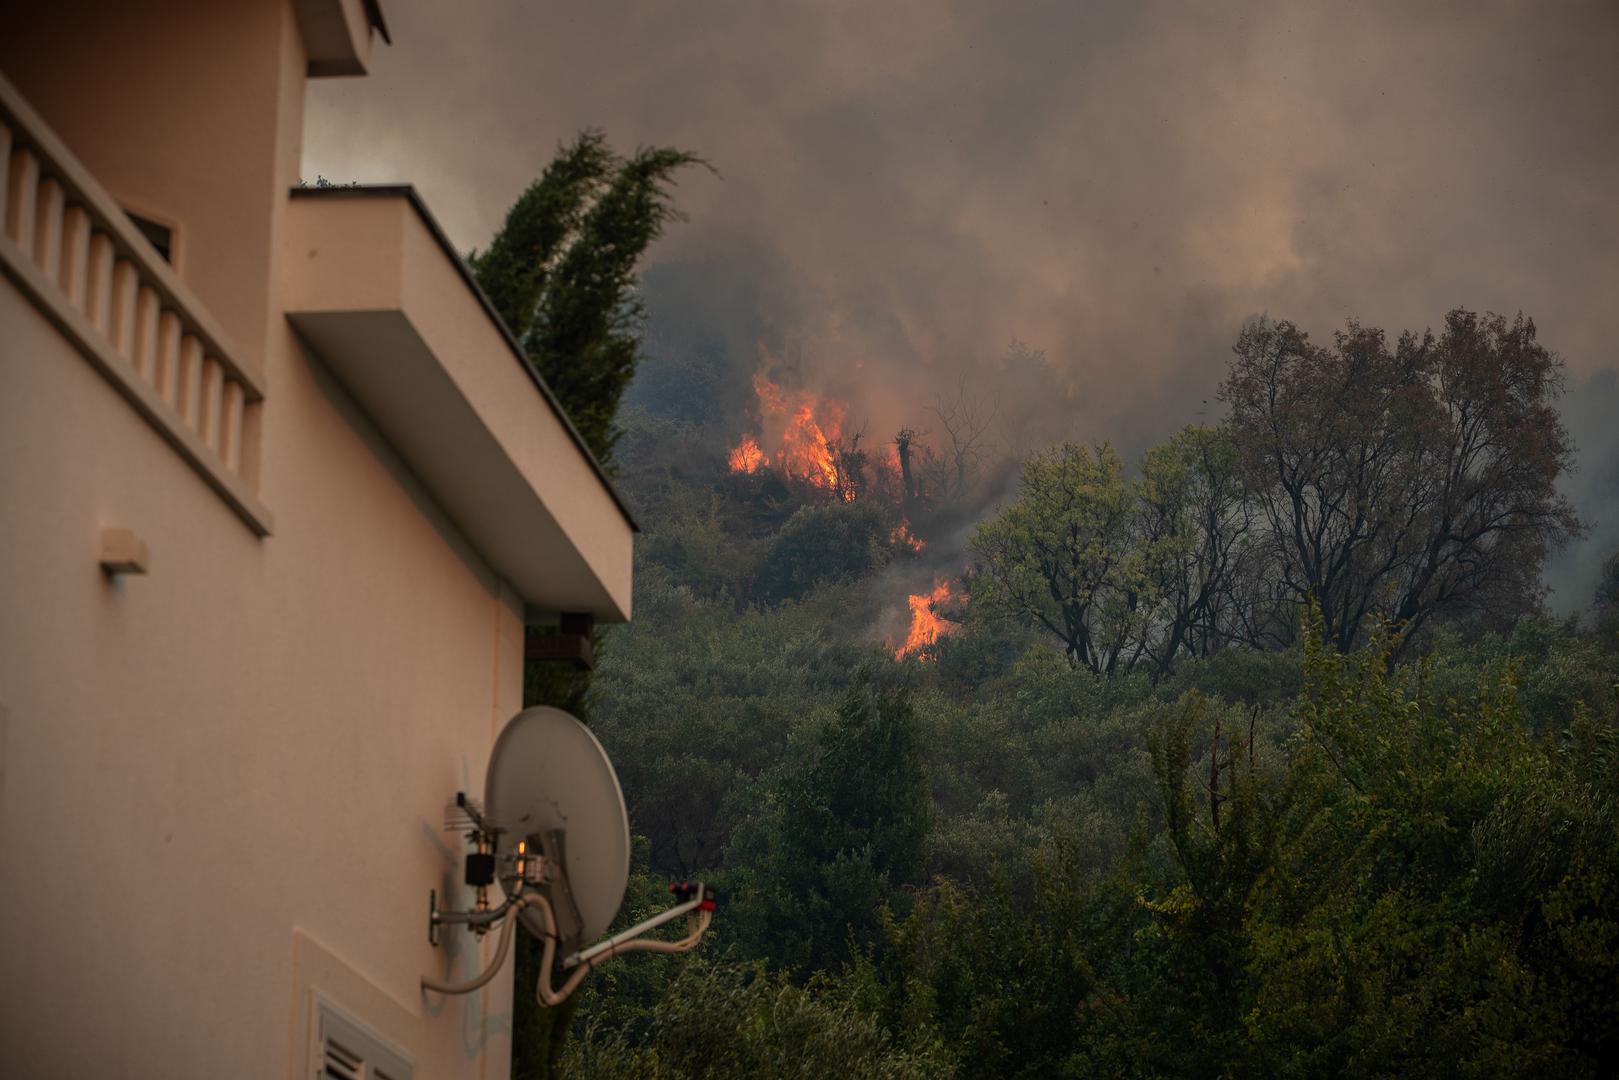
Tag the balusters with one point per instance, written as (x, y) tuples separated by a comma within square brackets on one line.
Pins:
[(188, 395), (247, 467), (209, 400), (98, 284), (168, 354), (75, 255), (5, 171), (22, 191), (230, 428), (121, 326), (61, 233), (48, 227), (146, 312)]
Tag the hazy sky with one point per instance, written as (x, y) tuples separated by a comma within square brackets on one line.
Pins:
[(1117, 184)]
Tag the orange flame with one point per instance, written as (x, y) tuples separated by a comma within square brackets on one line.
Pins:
[(809, 426), (902, 537), (927, 627), (805, 452), (889, 462), (746, 457)]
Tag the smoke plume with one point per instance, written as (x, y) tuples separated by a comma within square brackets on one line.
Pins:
[(906, 188)]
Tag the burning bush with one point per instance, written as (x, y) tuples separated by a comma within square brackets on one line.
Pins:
[(804, 437), (927, 624)]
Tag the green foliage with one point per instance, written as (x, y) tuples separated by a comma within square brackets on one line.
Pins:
[(1558, 670), (1409, 927), (1129, 576), (865, 791), (1140, 850), (1388, 885), (719, 1020), (1058, 557), (981, 652), (1005, 985), (840, 541), (703, 705), (1250, 676), (1197, 544), (850, 832), (562, 271), (694, 544), (1267, 865), (1286, 863)]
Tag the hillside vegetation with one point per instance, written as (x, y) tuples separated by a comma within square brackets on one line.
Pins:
[(1254, 756)]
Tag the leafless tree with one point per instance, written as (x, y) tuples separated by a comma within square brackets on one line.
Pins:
[(965, 418)]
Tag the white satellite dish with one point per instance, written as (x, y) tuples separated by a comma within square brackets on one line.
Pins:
[(551, 788), (553, 831)]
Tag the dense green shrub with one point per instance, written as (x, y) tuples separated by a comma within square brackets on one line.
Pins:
[(720, 1020), (834, 542)]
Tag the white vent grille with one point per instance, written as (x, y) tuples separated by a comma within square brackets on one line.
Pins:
[(350, 1051)]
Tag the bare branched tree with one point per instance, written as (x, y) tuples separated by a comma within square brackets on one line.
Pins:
[(965, 418)]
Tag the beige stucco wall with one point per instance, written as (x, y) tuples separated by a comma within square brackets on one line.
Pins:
[(222, 782), (256, 736)]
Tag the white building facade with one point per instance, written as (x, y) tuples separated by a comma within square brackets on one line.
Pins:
[(277, 494)]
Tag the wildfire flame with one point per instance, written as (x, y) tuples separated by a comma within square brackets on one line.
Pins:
[(889, 462), (809, 428), (927, 626), (746, 457), (902, 537)]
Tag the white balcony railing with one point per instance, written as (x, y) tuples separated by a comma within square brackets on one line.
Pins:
[(70, 247)]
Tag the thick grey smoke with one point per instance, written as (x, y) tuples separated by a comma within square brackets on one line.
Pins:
[(906, 187), (1590, 409)]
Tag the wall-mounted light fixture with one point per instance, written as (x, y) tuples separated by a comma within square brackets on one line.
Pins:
[(122, 552)]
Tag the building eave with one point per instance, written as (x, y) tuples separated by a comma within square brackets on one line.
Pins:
[(337, 34), (386, 304), (409, 194)]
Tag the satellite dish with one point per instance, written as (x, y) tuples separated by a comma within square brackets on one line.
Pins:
[(554, 833), (551, 789)]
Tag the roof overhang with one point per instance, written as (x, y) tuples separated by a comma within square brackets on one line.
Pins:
[(337, 34), (381, 298)]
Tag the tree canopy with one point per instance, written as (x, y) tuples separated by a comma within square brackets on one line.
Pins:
[(1141, 812), (1393, 485), (1059, 557), (562, 272), (1408, 481)]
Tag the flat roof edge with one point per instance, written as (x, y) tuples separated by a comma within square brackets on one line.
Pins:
[(409, 193)]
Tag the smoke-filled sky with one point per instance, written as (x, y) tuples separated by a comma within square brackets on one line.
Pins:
[(906, 187)]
